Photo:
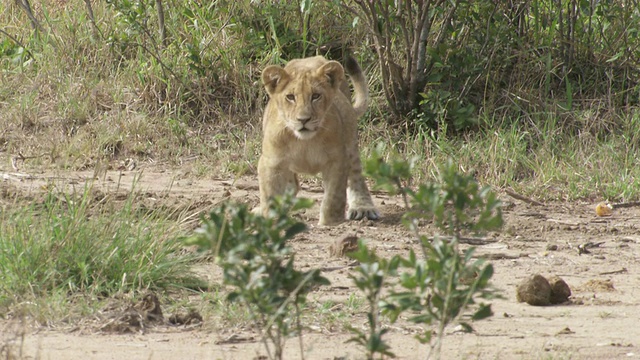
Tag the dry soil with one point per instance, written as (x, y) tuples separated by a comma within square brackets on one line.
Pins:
[(599, 322)]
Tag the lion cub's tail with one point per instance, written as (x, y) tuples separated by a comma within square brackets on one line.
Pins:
[(360, 88)]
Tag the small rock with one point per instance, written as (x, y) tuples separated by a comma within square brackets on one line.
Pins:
[(566, 331), (341, 247)]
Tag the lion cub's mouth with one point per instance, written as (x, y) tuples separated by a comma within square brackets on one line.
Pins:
[(304, 133)]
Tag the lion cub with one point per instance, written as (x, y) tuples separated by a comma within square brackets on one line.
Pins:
[(310, 126)]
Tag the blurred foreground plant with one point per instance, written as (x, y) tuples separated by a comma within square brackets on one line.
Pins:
[(257, 261), (439, 287)]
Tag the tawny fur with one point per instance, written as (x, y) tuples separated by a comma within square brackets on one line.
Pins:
[(310, 127)]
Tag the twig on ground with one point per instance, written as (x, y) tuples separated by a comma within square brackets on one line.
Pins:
[(21, 157), (499, 256), (626, 204), (517, 196), (621, 271), (468, 240)]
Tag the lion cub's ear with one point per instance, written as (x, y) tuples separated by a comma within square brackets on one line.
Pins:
[(334, 72), (274, 77)]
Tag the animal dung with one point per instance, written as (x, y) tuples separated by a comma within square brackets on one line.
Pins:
[(535, 290), (560, 290), (539, 291)]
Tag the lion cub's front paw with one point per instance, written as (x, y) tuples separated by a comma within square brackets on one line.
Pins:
[(363, 212)]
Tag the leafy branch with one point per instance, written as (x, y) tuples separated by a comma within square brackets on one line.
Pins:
[(438, 288)]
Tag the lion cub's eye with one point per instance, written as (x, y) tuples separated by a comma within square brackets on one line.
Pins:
[(315, 96), (291, 97)]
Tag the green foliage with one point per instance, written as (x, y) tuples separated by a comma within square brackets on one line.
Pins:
[(14, 54), (456, 203), (66, 243), (182, 55), (466, 57), (389, 176), (439, 287), (270, 27), (257, 261), (371, 278), (438, 108), (460, 60)]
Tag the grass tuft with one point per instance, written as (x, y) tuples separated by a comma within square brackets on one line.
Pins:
[(70, 244)]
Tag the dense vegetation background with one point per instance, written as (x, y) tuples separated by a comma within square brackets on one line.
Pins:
[(538, 95)]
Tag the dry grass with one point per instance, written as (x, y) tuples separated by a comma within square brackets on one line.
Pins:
[(79, 103), (84, 101)]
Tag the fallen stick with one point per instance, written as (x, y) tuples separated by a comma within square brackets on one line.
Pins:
[(468, 240), (499, 256), (621, 271), (20, 157), (16, 176), (626, 205), (515, 195)]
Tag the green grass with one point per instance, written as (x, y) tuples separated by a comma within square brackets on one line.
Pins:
[(544, 162), (73, 244), (224, 315)]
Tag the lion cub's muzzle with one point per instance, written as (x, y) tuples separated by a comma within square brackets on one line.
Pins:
[(304, 127)]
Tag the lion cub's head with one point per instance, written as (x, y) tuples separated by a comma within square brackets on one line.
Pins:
[(303, 92)]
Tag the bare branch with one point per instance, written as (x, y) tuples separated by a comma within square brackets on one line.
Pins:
[(163, 29), (382, 48), (27, 8), (94, 26)]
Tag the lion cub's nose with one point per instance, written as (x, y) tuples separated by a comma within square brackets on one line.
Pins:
[(303, 120)]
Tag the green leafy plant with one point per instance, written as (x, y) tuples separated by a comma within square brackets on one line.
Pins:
[(274, 30), (442, 285), (439, 289), (370, 277), (257, 261), (12, 49)]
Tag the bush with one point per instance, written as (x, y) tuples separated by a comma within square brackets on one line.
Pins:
[(438, 286), (257, 261)]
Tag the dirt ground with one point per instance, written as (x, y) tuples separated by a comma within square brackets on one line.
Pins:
[(600, 321)]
